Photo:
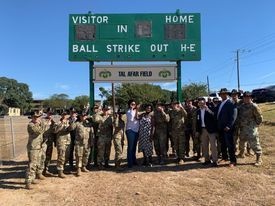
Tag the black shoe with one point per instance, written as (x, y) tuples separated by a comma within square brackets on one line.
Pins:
[(206, 162), (214, 164)]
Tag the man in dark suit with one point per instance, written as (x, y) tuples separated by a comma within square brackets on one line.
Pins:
[(226, 116), (206, 128)]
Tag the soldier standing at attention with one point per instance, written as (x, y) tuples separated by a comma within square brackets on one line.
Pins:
[(119, 126), (105, 133), (35, 130), (190, 109), (72, 119), (62, 130), (160, 123), (83, 140), (250, 118), (48, 140), (177, 117)]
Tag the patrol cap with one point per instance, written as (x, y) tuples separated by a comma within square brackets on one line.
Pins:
[(234, 91), (49, 110), (72, 109), (247, 94), (106, 107), (65, 112), (36, 113), (83, 113), (175, 102)]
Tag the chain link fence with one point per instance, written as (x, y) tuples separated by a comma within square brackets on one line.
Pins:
[(13, 137)]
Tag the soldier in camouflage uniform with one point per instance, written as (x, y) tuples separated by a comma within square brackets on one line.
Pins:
[(160, 122), (177, 117), (250, 117), (62, 130), (35, 130), (94, 119), (105, 133), (191, 110), (119, 127), (49, 139), (83, 140)]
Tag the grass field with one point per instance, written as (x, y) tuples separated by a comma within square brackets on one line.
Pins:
[(190, 184)]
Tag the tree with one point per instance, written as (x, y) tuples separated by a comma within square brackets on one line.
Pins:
[(194, 90), (80, 103), (142, 93), (14, 94), (58, 101)]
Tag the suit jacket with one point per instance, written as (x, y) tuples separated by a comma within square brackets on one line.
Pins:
[(227, 115), (210, 121)]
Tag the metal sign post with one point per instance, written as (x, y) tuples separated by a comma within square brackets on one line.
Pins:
[(92, 87)]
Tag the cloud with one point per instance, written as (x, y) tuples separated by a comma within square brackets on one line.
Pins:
[(38, 95), (62, 86), (172, 86)]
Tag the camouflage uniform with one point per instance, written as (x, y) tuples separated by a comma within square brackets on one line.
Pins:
[(47, 146), (63, 140), (105, 133), (160, 120), (83, 141), (189, 130), (35, 131), (249, 119), (119, 126), (177, 131)]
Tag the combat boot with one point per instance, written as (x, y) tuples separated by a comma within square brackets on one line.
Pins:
[(181, 162), (46, 173), (28, 186), (40, 177), (83, 169), (61, 174), (240, 155), (78, 172), (258, 160), (35, 182)]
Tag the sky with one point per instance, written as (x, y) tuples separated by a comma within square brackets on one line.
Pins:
[(34, 42)]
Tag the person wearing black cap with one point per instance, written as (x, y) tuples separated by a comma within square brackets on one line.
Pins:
[(62, 130), (35, 130), (160, 121), (105, 133), (72, 119), (250, 118), (49, 139), (177, 118), (226, 116), (83, 140)]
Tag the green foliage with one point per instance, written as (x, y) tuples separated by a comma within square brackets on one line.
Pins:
[(194, 90), (14, 94), (58, 101), (80, 103), (142, 93)]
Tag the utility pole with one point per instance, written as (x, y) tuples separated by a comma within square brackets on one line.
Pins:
[(113, 95), (238, 69), (208, 87)]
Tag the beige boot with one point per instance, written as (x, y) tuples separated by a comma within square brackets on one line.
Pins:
[(83, 169), (61, 174), (258, 160), (78, 172), (40, 177), (28, 186)]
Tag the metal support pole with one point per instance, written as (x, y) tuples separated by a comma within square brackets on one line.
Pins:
[(13, 138), (92, 86), (238, 69), (113, 95), (179, 89), (208, 87)]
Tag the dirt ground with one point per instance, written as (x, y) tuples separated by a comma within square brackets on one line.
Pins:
[(190, 184)]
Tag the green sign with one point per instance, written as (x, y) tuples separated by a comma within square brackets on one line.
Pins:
[(135, 37)]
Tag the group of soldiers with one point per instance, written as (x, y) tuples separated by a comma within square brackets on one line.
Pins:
[(88, 139)]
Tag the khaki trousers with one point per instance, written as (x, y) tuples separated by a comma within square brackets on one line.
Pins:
[(207, 138)]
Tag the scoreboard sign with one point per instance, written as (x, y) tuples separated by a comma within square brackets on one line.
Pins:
[(135, 37)]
